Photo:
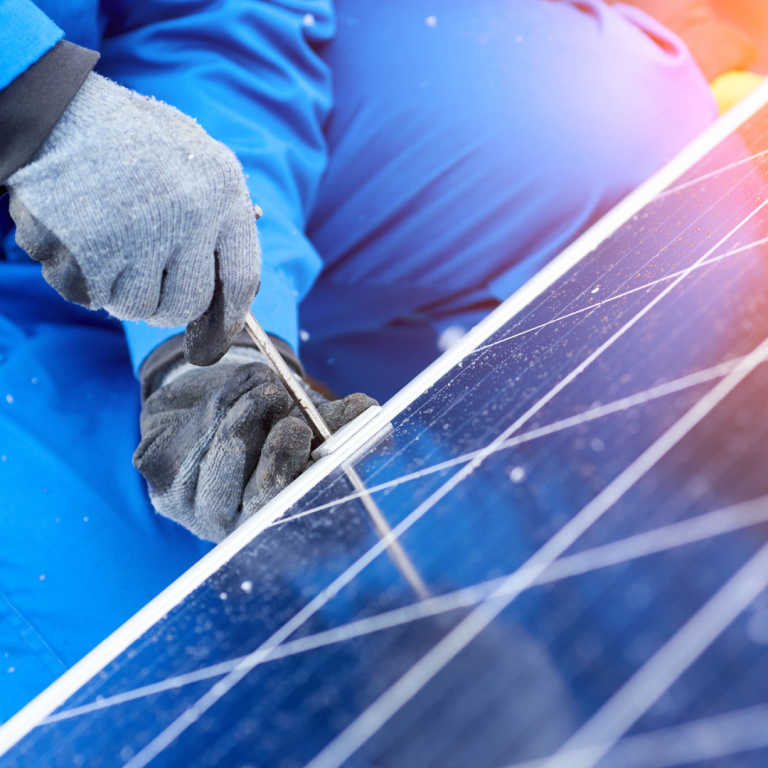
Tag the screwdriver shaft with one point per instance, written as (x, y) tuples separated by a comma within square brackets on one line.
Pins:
[(284, 373)]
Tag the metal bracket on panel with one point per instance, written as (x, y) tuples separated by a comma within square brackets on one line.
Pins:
[(340, 437)]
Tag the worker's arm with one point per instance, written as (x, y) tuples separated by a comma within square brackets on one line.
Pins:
[(130, 206), (217, 443), (250, 73)]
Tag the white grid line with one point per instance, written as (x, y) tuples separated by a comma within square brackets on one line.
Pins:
[(399, 694), (710, 175), (671, 242), (666, 538), (599, 305), (617, 406), (604, 729)]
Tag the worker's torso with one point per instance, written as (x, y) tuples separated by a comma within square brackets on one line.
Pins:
[(466, 148)]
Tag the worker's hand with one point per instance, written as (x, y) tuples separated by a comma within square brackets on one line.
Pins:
[(131, 206), (218, 443)]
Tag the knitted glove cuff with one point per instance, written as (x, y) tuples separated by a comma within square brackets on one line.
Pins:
[(236, 355), (167, 360)]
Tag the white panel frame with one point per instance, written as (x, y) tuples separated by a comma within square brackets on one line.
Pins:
[(71, 681)]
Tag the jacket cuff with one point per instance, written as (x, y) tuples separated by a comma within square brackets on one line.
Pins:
[(33, 103), (170, 353)]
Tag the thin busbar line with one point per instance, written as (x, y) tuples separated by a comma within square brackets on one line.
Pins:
[(221, 688), (604, 729), (712, 174), (399, 694), (700, 528), (62, 689), (381, 526), (31, 629), (697, 741), (640, 243), (617, 406), (684, 272)]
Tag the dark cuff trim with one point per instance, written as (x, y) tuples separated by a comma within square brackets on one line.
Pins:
[(171, 352), (160, 360), (285, 350), (32, 104)]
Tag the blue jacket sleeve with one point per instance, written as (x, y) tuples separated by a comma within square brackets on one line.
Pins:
[(248, 71), (26, 33)]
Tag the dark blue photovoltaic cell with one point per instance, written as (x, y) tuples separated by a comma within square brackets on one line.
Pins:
[(668, 307)]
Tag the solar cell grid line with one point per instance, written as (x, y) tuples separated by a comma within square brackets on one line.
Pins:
[(562, 313), (751, 171), (598, 412), (692, 530), (712, 174), (615, 297), (470, 394)]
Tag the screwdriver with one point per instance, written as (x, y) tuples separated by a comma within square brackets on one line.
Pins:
[(284, 373)]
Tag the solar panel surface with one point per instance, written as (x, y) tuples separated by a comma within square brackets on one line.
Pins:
[(583, 500)]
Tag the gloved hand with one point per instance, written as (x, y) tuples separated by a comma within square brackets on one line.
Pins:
[(129, 205), (218, 443)]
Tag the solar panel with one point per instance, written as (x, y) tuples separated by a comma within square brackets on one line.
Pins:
[(571, 559)]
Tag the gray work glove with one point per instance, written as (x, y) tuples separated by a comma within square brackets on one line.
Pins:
[(218, 443), (132, 207)]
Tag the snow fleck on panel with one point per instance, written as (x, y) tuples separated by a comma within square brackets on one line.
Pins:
[(517, 475)]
